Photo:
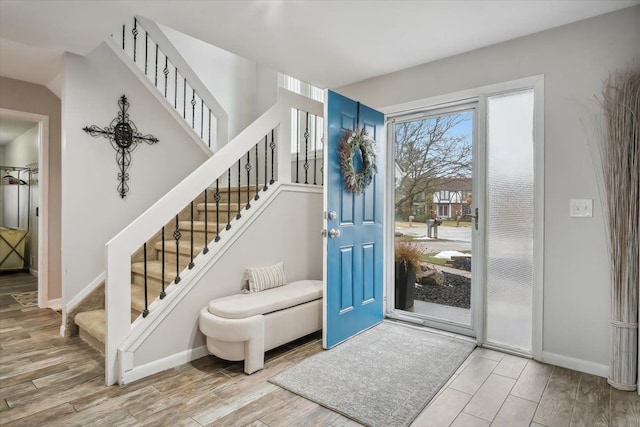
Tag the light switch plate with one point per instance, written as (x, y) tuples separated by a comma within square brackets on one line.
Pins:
[(581, 208)]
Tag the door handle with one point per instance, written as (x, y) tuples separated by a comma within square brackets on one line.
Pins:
[(475, 218), (334, 233)]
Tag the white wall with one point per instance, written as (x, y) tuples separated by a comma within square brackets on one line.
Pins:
[(243, 88), (93, 211), (288, 230), (20, 152), (32, 98), (575, 60)]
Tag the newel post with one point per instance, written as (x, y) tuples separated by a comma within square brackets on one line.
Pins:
[(117, 298)]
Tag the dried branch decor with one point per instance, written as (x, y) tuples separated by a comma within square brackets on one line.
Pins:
[(353, 144), (620, 154)]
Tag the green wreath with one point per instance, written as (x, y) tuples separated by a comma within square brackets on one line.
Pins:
[(354, 181)]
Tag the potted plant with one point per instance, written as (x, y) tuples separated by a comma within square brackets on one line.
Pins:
[(407, 266)]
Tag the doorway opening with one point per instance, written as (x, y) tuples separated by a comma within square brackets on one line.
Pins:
[(433, 221), (24, 157)]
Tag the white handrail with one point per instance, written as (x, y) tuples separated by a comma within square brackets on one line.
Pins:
[(120, 248)]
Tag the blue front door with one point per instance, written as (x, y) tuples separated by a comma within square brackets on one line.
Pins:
[(353, 277)]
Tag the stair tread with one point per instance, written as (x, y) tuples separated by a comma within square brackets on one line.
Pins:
[(199, 226), (137, 297), (225, 189), (154, 269), (93, 322), (185, 247), (223, 207)]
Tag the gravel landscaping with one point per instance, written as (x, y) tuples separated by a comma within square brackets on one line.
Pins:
[(456, 292)]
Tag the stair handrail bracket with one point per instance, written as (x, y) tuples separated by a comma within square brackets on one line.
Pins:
[(275, 122)]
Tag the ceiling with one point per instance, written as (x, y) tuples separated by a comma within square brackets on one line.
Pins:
[(10, 128), (327, 43)]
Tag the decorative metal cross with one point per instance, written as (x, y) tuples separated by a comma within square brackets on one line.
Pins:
[(124, 137)]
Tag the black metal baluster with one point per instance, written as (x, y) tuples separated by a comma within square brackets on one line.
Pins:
[(247, 167), (191, 264), (156, 70), (146, 51), (145, 313), (306, 150), (163, 293), (228, 199), (166, 74), (175, 89), (123, 33), (272, 145), (201, 119), (315, 150), (264, 187), (135, 37), (177, 235), (206, 225), (257, 196), (238, 216), (216, 197), (184, 98), (297, 145), (193, 109), (209, 127)]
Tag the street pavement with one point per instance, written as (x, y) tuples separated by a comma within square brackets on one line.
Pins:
[(449, 238)]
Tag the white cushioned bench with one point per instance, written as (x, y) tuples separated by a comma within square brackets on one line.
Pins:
[(244, 326)]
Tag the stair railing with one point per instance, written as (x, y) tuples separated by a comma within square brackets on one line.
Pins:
[(155, 56), (257, 158)]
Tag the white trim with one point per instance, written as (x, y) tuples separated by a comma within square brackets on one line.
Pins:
[(55, 304), (136, 373), (452, 101), (43, 197), (575, 364), (33, 271), (85, 292)]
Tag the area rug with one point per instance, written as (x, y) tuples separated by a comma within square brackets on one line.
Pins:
[(383, 377), (26, 299)]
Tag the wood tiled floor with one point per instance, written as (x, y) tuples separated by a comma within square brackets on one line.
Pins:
[(48, 380)]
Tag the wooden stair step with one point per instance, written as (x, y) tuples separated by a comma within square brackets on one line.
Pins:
[(93, 323), (222, 207), (183, 246), (137, 297), (185, 226), (154, 270)]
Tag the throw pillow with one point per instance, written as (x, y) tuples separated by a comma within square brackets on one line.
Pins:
[(262, 278)]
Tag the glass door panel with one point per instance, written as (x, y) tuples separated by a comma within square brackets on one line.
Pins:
[(433, 213), (510, 215)]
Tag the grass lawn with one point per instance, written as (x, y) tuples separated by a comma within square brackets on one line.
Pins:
[(446, 223)]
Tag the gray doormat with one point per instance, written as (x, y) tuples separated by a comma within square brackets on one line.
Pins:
[(383, 377)]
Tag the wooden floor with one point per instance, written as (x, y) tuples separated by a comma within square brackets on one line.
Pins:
[(48, 380)]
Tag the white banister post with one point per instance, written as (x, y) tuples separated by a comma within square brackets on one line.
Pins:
[(117, 298), (284, 144)]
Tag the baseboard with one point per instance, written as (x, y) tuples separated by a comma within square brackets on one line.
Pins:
[(575, 364), (33, 272), (168, 362), (55, 304), (86, 291)]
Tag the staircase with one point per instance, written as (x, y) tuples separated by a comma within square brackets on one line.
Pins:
[(174, 254)]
